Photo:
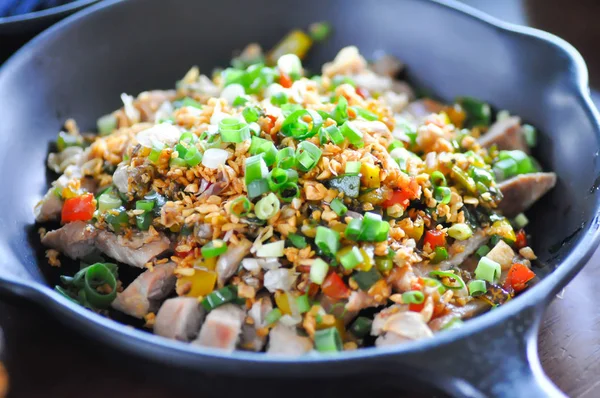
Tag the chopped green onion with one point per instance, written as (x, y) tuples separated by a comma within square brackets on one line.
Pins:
[(267, 148), (334, 134), (106, 124), (327, 240), (257, 188), (354, 135), (463, 179), (146, 205), (482, 251), (116, 221), (318, 271), (214, 248), (530, 134), (373, 229), (353, 229), (288, 109), (307, 156), (279, 177), (298, 241), (267, 207), (289, 191), (296, 127), (520, 221), (279, 99), (239, 101), (143, 221), (251, 114), (460, 231), (395, 144), (319, 31), (286, 158), (442, 275), (482, 175), (255, 168), (442, 194), (353, 167), (338, 207), (340, 112), (303, 303), (365, 280), (240, 206), (478, 112), (328, 340), (274, 249), (66, 140), (361, 327), (341, 79), (351, 259), (488, 270), (434, 283), (384, 264), (413, 297), (349, 185), (441, 254), (219, 297), (505, 168), (477, 287), (454, 323), (98, 275), (108, 201), (193, 157), (155, 153), (273, 316), (232, 130), (438, 179), (525, 164), (365, 114), (187, 101)]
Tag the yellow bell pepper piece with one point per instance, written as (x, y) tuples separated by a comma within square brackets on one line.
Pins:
[(370, 176), (504, 230), (365, 265), (283, 303), (203, 282), (416, 232), (296, 42)]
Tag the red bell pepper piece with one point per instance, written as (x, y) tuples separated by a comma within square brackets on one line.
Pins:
[(79, 208), (334, 287)]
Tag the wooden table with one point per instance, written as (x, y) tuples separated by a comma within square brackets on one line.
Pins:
[(47, 359)]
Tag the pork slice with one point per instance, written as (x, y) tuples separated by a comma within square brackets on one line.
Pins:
[(251, 338), (75, 239), (522, 191), (179, 318), (506, 134), (360, 300), (403, 326), (222, 327), (402, 278), (469, 310), (284, 340), (144, 294), (131, 251), (49, 208), (230, 260)]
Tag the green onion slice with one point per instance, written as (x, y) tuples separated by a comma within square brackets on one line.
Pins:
[(267, 207), (297, 127), (477, 287), (307, 156), (456, 282), (214, 248), (240, 206), (328, 340), (488, 270), (318, 271), (413, 297)]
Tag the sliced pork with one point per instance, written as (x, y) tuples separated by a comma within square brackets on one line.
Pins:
[(146, 292), (134, 251), (75, 239), (253, 334), (222, 327), (284, 340), (179, 318), (524, 190), (231, 259), (506, 134)]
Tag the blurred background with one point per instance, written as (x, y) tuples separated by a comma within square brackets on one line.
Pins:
[(44, 358)]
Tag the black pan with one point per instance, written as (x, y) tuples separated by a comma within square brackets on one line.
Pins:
[(79, 67)]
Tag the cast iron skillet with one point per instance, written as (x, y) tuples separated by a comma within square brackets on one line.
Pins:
[(79, 67)]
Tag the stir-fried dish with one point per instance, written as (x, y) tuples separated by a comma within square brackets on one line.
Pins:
[(271, 210)]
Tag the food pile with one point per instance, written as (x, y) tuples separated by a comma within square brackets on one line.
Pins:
[(272, 210)]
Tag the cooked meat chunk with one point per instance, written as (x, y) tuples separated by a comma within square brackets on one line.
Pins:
[(144, 294), (360, 300), (222, 327), (522, 191), (132, 251), (506, 134), (404, 326), (252, 336), (469, 310), (285, 340), (179, 318), (401, 278), (75, 239), (49, 208), (231, 259)]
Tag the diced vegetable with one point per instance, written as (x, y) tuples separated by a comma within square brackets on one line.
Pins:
[(328, 340), (435, 238), (488, 270), (349, 185), (214, 248), (365, 280), (518, 276), (79, 208), (219, 297), (327, 240), (460, 231), (334, 287), (318, 271)]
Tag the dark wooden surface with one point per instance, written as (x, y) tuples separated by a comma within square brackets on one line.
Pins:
[(45, 358)]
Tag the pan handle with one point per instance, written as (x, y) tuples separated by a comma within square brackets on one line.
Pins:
[(499, 361)]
